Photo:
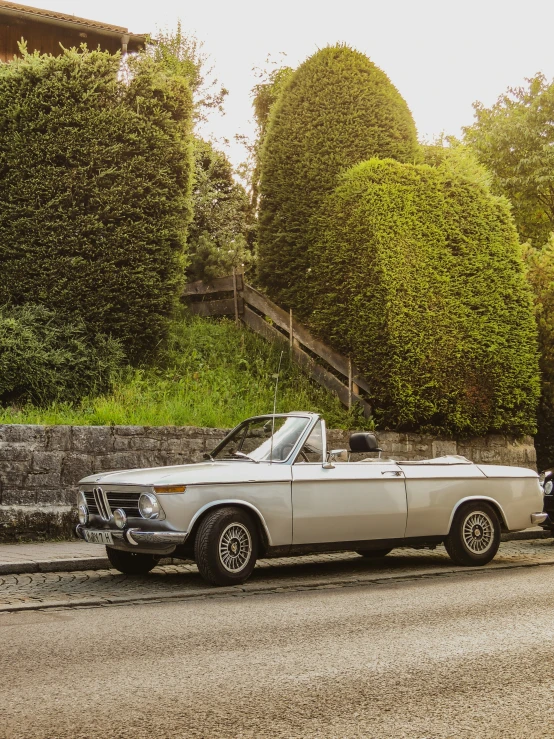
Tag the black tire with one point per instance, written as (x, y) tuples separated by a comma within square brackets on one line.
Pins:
[(226, 546), (131, 563), (474, 536), (373, 553)]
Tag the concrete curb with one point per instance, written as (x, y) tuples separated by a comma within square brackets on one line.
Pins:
[(246, 590), (54, 565), (528, 534), (78, 564)]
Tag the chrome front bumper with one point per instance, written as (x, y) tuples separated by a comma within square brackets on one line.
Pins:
[(538, 518), (139, 538)]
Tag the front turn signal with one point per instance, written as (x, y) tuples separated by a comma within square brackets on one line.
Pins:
[(168, 489)]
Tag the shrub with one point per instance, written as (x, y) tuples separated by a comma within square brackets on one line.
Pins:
[(337, 109), (95, 179), (217, 234), (43, 359), (421, 281)]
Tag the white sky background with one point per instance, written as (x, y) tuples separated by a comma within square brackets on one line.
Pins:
[(441, 55)]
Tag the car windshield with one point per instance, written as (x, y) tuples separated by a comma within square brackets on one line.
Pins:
[(253, 439)]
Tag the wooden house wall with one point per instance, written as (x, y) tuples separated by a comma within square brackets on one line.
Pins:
[(47, 37)]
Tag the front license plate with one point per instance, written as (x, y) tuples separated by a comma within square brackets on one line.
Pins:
[(98, 537)]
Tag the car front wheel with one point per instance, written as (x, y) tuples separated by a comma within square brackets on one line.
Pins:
[(131, 563), (226, 546), (474, 536)]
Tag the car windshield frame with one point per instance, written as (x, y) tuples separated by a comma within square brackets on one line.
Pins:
[(311, 420)]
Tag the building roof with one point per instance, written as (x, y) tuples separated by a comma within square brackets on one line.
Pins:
[(68, 21)]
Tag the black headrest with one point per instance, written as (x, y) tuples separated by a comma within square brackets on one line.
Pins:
[(363, 441)]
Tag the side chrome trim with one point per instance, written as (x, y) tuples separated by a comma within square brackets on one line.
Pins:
[(239, 502), (538, 518), (236, 482), (484, 498)]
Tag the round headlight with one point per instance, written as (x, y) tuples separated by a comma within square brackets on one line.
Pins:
[(81, 500), (120, 518), (149, 506), (83, 515), (548, 487)]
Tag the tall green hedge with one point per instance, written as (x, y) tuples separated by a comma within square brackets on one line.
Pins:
[(95, 181), (421, 282), (336, 110)]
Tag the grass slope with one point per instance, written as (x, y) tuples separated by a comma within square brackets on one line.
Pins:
[(213, 374)]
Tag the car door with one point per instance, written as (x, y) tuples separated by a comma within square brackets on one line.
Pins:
[(353, 501)]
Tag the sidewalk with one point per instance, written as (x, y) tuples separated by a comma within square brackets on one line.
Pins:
[(72, 556), (52, 556)]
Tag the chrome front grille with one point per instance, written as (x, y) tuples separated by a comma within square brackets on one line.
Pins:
[(91, 503), (104, 502), (126, 501)]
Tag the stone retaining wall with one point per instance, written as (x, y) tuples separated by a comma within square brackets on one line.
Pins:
[(41, 465)]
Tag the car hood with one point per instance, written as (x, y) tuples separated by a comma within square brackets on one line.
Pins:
[(194, 474)]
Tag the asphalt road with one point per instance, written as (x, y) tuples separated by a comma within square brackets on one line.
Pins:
[(465, 655)]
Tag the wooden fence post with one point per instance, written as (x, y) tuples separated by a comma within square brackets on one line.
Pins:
[(235, 296), (291, 335), (349, 383)]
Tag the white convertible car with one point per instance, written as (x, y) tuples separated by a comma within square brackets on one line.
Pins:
[(271, 488)]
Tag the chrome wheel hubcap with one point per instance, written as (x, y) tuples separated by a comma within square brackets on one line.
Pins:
[(478, 532), (235, 547)]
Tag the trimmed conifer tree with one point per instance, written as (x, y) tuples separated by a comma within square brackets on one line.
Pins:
[(421, 281), (95, 192), (337, 109)]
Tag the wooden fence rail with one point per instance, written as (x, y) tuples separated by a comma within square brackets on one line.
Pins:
[(231, 296)]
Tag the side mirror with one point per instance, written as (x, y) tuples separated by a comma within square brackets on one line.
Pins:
[(338, 455)]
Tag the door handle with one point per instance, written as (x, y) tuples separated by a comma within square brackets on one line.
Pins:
[(392, 473)]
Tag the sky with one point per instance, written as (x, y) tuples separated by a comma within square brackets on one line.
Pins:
[(441, 55)]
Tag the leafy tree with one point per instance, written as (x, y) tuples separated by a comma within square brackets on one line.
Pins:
[(182, 55), (514, 139), (421, 281), (218, 233), (95, 182), (540, 273), (337, 109)]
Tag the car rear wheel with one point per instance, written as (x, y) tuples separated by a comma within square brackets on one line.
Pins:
[(131, 563), (226, 546), (474, 536), (373, 553)]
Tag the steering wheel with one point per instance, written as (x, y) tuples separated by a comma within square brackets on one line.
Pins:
[(304, 455)]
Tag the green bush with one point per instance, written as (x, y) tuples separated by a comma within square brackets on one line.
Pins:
[(421, 282), (43, 359), (95, 179), (336, 110), (217, 235)]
